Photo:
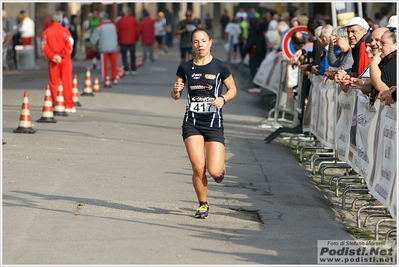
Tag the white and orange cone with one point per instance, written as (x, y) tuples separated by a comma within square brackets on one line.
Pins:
[(88, 90), (59, 108), (48, 115), (25, 124), (96, 86), (75, 91), (121, 71), (107, 82)]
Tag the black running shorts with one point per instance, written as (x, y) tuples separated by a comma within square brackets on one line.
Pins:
[(209, 134)]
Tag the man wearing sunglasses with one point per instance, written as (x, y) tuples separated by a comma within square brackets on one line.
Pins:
[(184, 29)]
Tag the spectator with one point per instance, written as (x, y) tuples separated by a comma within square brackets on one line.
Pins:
[(282, 26), (304, 21), (170, 28), (383, 66), (160, 33), (86, 32), (105, 39), (241, 13), (184, 29), (384, 11), (272, 34), (233, 32), (339, 40), (47, 22), (342, 60), (243, 37), (198, 23), (285, 16), (93, 22), (6, 38), (393, 23), (294, 22), (324, 40), (74, 32), (128, 33), (65, 20), (147, 33), (371, 24), (26, 28), (256, 48), (252, 14), (57, 44), (318, 48), (373, 48), (357, 33), (209, 24), (224, 20)]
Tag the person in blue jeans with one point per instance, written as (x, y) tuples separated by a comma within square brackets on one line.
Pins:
[(128, 33)]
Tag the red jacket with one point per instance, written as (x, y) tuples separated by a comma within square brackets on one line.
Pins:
[(128, 30), (56, 40), (147, 31)]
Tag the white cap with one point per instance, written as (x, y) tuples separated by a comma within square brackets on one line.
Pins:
[(393, 22), (358, 21)]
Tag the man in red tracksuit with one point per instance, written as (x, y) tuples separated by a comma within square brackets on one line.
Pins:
[(57, 44), (106, 39)]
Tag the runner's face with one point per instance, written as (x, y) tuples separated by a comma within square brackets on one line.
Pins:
[(201, 43)]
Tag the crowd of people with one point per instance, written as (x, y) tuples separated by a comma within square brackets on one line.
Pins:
[(338, 54)]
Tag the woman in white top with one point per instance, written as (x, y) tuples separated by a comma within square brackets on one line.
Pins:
[(160, 33), (233, 31)]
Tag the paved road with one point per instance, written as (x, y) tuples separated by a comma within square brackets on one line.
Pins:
[(111, 184)]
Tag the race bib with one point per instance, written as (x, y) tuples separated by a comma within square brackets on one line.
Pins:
[(202, 107)]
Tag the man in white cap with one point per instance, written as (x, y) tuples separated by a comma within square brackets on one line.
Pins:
[(357, 29), (393, 23)]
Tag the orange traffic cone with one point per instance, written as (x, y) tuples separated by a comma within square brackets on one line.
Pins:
[(75, 91), (48, 115), (107, 82), (25, 124), (88, 90), (121, 71), (59, 108), (96, 86)]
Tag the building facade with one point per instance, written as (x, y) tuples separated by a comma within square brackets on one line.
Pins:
[(39, 11)]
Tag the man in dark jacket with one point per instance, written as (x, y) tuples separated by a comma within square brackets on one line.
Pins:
[(256, 48), (128, 34), (357, 33)]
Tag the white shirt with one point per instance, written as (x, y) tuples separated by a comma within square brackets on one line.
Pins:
[(159, 27), (241, 14), (233, 30), (27, 28)]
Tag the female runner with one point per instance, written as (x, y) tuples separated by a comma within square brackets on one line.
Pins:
[(202, 130)]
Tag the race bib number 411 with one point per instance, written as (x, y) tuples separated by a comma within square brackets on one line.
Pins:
[(202, 107)]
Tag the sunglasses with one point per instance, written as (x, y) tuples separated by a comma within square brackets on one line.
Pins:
[(188, 15)]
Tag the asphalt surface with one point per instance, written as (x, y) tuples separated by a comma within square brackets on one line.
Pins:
[(111, 184)]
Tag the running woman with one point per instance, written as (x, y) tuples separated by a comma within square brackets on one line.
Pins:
[(202, 130)]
